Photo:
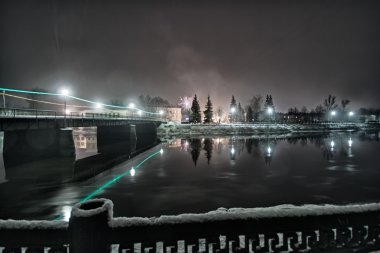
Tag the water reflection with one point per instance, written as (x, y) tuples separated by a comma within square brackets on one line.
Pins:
[(331, 145), (195, 149), (54, 183), (85, 141), (208, 147), (202, 174)]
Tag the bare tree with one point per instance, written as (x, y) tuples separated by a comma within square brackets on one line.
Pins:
[(256, 103), (344, 103), (330, 103), (319, 109)]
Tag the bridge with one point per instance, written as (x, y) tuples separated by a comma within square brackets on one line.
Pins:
[(23, 119), (30, 135)]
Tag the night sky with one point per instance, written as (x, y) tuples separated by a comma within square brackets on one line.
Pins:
[(298, 51)]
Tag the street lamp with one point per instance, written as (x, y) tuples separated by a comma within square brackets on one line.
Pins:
[(131, 106), (270, 110), (65, 92), (98, 106), (332, 113), (233, 110), (351, 113)]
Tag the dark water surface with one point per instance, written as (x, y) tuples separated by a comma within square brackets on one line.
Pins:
[(203, 174)]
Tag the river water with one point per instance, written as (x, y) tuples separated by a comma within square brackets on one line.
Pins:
[(202, 174)]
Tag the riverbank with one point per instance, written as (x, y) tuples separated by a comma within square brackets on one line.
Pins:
[(189, 130)]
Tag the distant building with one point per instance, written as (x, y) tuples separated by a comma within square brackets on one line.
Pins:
[(173, 114)]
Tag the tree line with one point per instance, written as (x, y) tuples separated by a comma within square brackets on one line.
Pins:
[(259, 109)]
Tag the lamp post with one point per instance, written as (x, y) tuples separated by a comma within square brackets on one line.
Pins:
[(4, 99), (333, 113), (350, 115), (64, 92), (233, 110), (270, 112), (131, 106)]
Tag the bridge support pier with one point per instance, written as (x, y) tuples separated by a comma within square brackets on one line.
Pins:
[(22, 146)]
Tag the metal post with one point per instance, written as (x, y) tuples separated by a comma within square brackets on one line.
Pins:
[(4, 99), (64, 113)]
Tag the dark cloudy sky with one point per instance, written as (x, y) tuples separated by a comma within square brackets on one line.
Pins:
[(299, 51)]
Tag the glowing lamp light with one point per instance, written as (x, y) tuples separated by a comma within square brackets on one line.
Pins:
[(139, 112), (67, 111), (132, 172), (233, 109), (350, 142), (270, 110), (64, 92), (232, 151), (66, 210), (333, 113), (98, 106), (161, 151), (332, 144), (131, 105), (351, 113), (161, 112), (269, 150)]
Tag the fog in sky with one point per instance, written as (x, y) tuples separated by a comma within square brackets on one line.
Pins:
[(298, 51)]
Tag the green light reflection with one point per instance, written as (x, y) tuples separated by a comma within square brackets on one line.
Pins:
[(115, 179)]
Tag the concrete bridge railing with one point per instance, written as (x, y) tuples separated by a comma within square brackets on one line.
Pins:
[(92, 228), (11, 119)]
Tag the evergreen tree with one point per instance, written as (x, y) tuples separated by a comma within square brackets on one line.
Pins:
[(267, 103), (195, 111), (240, 113), (269, 108), (208, 112), (249, 114), (270, 101), (233, 109)]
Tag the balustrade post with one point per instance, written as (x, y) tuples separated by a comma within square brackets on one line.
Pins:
[(88, 226)]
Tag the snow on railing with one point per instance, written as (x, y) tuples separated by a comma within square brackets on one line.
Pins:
[(284, 228)]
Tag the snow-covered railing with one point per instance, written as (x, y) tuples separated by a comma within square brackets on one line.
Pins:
[(284, 228)]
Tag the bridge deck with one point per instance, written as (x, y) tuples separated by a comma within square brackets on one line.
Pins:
[(15, 119)]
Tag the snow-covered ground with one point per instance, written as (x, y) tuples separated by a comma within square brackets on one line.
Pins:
[(216, 215), (173, 129), (247, 213)]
